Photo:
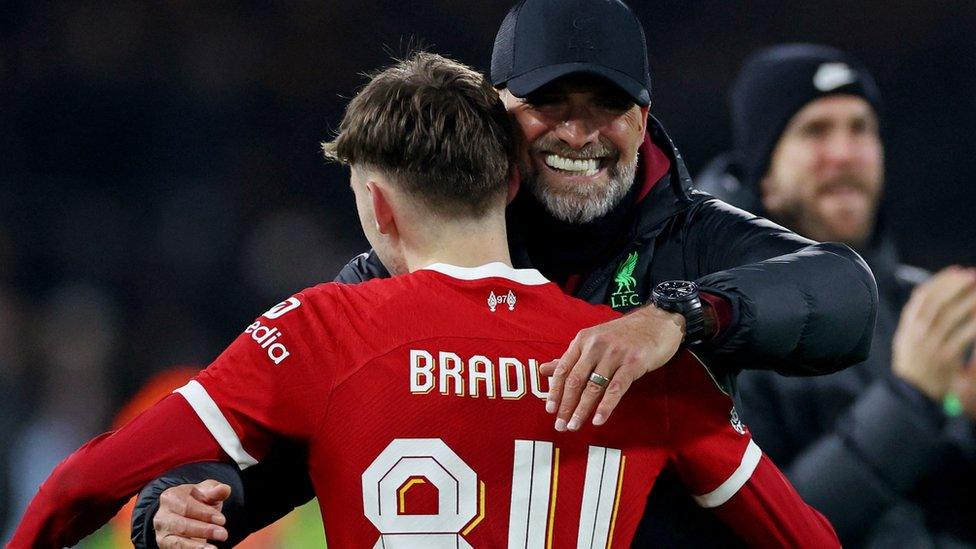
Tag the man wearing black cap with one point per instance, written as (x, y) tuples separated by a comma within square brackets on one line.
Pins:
[(607, 212), (892, 433)]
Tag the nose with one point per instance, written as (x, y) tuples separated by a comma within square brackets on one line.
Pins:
[(578, 128), (841, 148)]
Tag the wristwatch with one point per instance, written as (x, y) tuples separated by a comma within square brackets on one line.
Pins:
[(681, 296)]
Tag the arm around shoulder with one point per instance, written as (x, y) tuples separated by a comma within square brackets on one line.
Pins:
[(799, 307)]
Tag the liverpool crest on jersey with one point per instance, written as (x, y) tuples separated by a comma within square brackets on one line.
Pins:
[(504, 299)]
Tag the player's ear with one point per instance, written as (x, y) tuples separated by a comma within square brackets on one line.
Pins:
[(382, 209)]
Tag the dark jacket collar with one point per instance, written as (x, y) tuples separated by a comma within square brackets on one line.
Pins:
[(662, 196)]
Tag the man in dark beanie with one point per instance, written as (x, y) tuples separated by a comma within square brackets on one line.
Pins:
[(886, 448)]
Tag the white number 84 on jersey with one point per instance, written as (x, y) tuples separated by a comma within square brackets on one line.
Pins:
[(461, 497)]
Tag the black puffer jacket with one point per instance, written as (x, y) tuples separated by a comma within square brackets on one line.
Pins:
[(798, 307), (871, 452)]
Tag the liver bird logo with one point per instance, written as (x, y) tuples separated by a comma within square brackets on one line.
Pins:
[(625, 274)]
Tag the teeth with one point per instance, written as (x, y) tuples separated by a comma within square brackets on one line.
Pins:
[(588, 166)]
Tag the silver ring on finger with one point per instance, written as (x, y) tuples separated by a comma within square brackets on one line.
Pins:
[(597, 379)]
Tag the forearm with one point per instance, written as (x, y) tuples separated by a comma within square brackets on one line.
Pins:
[(259, 496), (804, 313), (90, 486), (799, 307), (768, 512)]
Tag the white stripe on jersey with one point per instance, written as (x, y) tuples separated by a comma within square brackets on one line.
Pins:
[(216, 423), (531, 488), (735, 482), (599, 493)]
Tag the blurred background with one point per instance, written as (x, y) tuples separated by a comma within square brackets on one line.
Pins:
[(161, 182)]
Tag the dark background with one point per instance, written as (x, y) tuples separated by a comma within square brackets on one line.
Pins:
[(161, 182)]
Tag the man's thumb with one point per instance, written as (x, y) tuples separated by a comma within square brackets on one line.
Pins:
[(211, 491)]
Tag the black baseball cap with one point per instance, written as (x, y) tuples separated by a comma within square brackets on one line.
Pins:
[(542, 40)]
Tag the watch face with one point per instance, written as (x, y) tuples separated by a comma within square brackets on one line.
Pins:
[(677, 290)]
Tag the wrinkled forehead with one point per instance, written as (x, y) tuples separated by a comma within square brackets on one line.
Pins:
[(834, 108)]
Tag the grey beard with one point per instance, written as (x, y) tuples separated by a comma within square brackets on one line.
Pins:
[(583, 204)]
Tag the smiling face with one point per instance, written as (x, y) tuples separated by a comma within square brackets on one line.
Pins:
[(826, 173), (578, 153)]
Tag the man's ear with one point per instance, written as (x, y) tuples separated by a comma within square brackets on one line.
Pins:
[(507, 98), (382, 209), (514, 181), (771, 200), (645, 112)]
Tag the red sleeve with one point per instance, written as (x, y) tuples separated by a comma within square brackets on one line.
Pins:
[(714, 455), (768, 512), (86, 489), (272, 382), (710, 447)]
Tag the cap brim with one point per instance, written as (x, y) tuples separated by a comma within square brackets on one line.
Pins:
[(526, 83)]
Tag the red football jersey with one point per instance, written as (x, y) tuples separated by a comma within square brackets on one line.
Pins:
[(421, 404)]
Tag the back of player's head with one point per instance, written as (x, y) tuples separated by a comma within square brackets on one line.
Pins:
[(436, 127)]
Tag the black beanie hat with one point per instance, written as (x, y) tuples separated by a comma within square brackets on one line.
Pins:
[(777, 82)]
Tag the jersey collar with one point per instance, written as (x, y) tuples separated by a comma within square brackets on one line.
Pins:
[(529, 277)]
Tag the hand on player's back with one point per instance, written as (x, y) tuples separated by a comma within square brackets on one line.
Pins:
[(622, 351), (189, 515)]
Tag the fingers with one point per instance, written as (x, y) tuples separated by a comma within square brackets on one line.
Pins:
[(558, 376), (174, 542), (622, 350), (575, 384), (173, 529), (590, 396), (943, 288), (955, 312), (619, 384), (210, 491), (193, 505), (189, 515), (960, 340), (604, 399)]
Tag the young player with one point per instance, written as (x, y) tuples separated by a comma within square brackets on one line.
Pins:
[(419, 398)]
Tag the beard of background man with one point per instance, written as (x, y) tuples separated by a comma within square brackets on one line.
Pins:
[(839, 210)]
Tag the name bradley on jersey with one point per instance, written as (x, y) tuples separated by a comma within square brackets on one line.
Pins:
[(477, 376)]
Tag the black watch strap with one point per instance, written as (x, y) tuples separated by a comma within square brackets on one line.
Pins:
[(682, 297)]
